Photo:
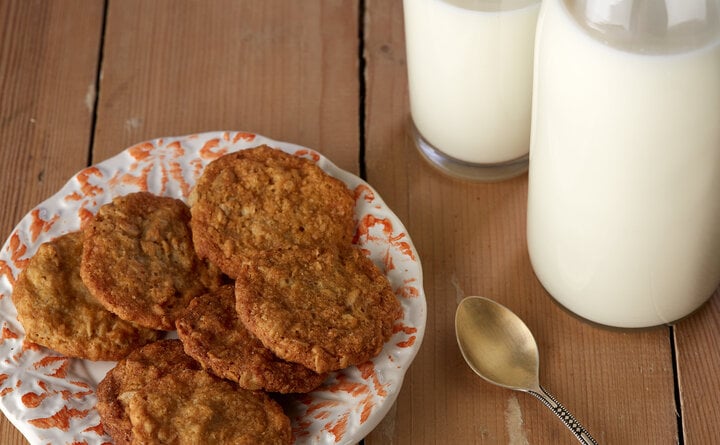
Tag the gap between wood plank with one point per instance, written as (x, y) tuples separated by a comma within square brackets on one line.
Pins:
[(362, 62), (676, 378), (98, 75)]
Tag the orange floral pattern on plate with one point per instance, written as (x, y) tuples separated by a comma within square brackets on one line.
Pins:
[(51, 398)]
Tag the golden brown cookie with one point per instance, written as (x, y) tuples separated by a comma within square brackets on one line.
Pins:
[(57, 310), (142, 367), (194, 407), (139, 260), (213, 335), (323, 308), (264, 199)]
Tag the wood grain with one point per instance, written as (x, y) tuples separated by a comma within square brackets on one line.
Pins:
[(48, 67), (284, 69), (471, 239)]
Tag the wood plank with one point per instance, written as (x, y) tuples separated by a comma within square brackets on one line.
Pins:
[(697, 340), (284, 69), (471, 239), (48, 66)]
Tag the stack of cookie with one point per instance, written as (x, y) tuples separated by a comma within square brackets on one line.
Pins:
[(259, 277)]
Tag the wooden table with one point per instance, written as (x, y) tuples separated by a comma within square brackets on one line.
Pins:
[(80, 80)]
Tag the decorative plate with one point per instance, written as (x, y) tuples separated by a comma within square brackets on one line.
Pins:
[(51, 398)]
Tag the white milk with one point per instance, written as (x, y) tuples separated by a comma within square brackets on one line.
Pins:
[(470, 76), (624, 196)]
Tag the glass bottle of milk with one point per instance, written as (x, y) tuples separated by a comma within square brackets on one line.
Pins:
[(624, 177), (470, 82)]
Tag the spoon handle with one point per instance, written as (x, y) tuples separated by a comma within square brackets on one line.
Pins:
[(563, 414)]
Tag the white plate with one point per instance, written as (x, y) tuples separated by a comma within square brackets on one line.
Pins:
[(51, 399)]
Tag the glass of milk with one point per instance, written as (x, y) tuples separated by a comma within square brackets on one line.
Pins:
[(470, 80), (624, 178)]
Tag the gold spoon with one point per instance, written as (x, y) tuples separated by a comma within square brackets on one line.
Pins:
[(500, 348)]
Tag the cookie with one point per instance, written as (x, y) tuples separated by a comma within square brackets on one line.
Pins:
[(57, 310), (213, 335), (323, 308), (263, 199), (193, 407), (142, 367), (139, 261)]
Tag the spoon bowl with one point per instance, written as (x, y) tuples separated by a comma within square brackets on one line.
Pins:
[(496, 344), (500, 348)]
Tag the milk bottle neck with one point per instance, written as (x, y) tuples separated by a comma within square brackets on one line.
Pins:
[(650, 26)]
